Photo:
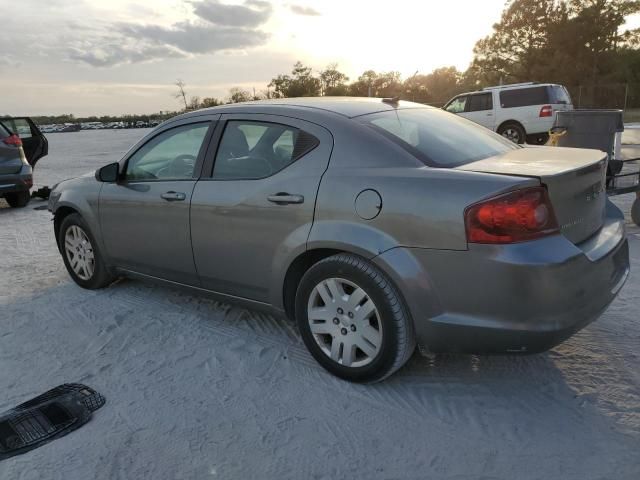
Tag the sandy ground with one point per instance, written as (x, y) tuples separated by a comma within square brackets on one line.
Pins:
[(197, 389)]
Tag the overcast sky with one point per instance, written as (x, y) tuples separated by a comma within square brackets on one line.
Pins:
[(115, 56)]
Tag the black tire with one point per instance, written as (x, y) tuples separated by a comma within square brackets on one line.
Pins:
[(635, 211), (513, 131), (397, 339), (18, 199), (101, 276), (539, 139)]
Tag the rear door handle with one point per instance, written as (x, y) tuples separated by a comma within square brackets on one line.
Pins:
[(173, 196), (284, 198)]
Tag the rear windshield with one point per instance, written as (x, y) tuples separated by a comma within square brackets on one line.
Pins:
[(438, 138)]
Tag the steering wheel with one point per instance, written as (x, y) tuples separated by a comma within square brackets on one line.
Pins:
[(179, 167)]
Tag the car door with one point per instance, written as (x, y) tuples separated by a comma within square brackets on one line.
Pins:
[(144, 217), (34, 143), (258, 202), (479, 109)]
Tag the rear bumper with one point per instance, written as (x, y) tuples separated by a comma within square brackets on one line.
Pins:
[(16, 182), (520, 298)]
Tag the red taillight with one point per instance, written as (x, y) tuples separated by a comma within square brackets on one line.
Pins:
[(546, 111), (510, 218), (13, 140)]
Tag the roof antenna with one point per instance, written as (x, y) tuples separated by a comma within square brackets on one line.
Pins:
[(392, 101)]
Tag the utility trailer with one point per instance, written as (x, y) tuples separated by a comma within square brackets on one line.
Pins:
[(604, 130)]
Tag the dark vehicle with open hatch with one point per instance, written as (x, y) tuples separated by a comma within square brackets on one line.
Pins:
[(22, 144)]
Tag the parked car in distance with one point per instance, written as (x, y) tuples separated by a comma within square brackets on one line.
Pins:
[(521, 112), (375, 224), (21, 146)]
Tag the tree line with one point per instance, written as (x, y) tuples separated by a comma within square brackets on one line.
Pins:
[(572, 42)]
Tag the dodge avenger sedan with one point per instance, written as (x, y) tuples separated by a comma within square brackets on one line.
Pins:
[(376, 224)]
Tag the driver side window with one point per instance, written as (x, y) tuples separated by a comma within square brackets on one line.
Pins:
[(169, 156)]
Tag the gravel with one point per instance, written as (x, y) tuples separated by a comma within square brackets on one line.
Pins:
[(198, 389)]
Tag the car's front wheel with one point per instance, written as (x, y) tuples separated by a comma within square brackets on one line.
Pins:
[(353, 320), (81, 254), (18, 199)]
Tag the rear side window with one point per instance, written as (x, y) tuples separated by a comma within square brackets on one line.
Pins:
[(19, 126), (481, 102), (251, 150), (437, 138), (523, 97), (558, 94)]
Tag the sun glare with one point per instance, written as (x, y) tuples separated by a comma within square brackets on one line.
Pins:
[(410, 36)]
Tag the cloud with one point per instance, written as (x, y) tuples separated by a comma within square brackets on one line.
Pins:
[(250, 14), (196, 38), (9, 61), (301, 10), (110, 55), (219, 27)]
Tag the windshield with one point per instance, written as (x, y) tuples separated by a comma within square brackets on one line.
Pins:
[(438, 138)]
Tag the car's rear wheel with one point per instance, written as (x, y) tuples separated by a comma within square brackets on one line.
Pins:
[(512, 131), (18, 199), (353, 320), (81, 254)]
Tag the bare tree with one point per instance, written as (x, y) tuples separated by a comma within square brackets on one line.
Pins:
[(181, 94), (194, 103)]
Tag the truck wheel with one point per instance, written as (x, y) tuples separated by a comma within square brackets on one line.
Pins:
[(513, 132)]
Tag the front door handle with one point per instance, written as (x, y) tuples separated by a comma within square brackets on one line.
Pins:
[(173, 196), (284, 198)]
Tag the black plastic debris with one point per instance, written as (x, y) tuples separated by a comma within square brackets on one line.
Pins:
[(89, 397), (42, 193), (46, 417)]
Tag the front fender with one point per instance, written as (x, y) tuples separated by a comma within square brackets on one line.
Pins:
[(83, 199)]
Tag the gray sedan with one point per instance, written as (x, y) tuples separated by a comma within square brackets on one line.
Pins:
[(375, 224)]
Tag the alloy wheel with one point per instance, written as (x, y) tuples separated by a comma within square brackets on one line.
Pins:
[(511, 134), (79, 252), (344, 322)]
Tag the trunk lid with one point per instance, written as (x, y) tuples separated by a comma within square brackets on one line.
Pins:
[(574, 177)]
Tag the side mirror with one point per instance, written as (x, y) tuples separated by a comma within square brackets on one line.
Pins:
[(108, 173)]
